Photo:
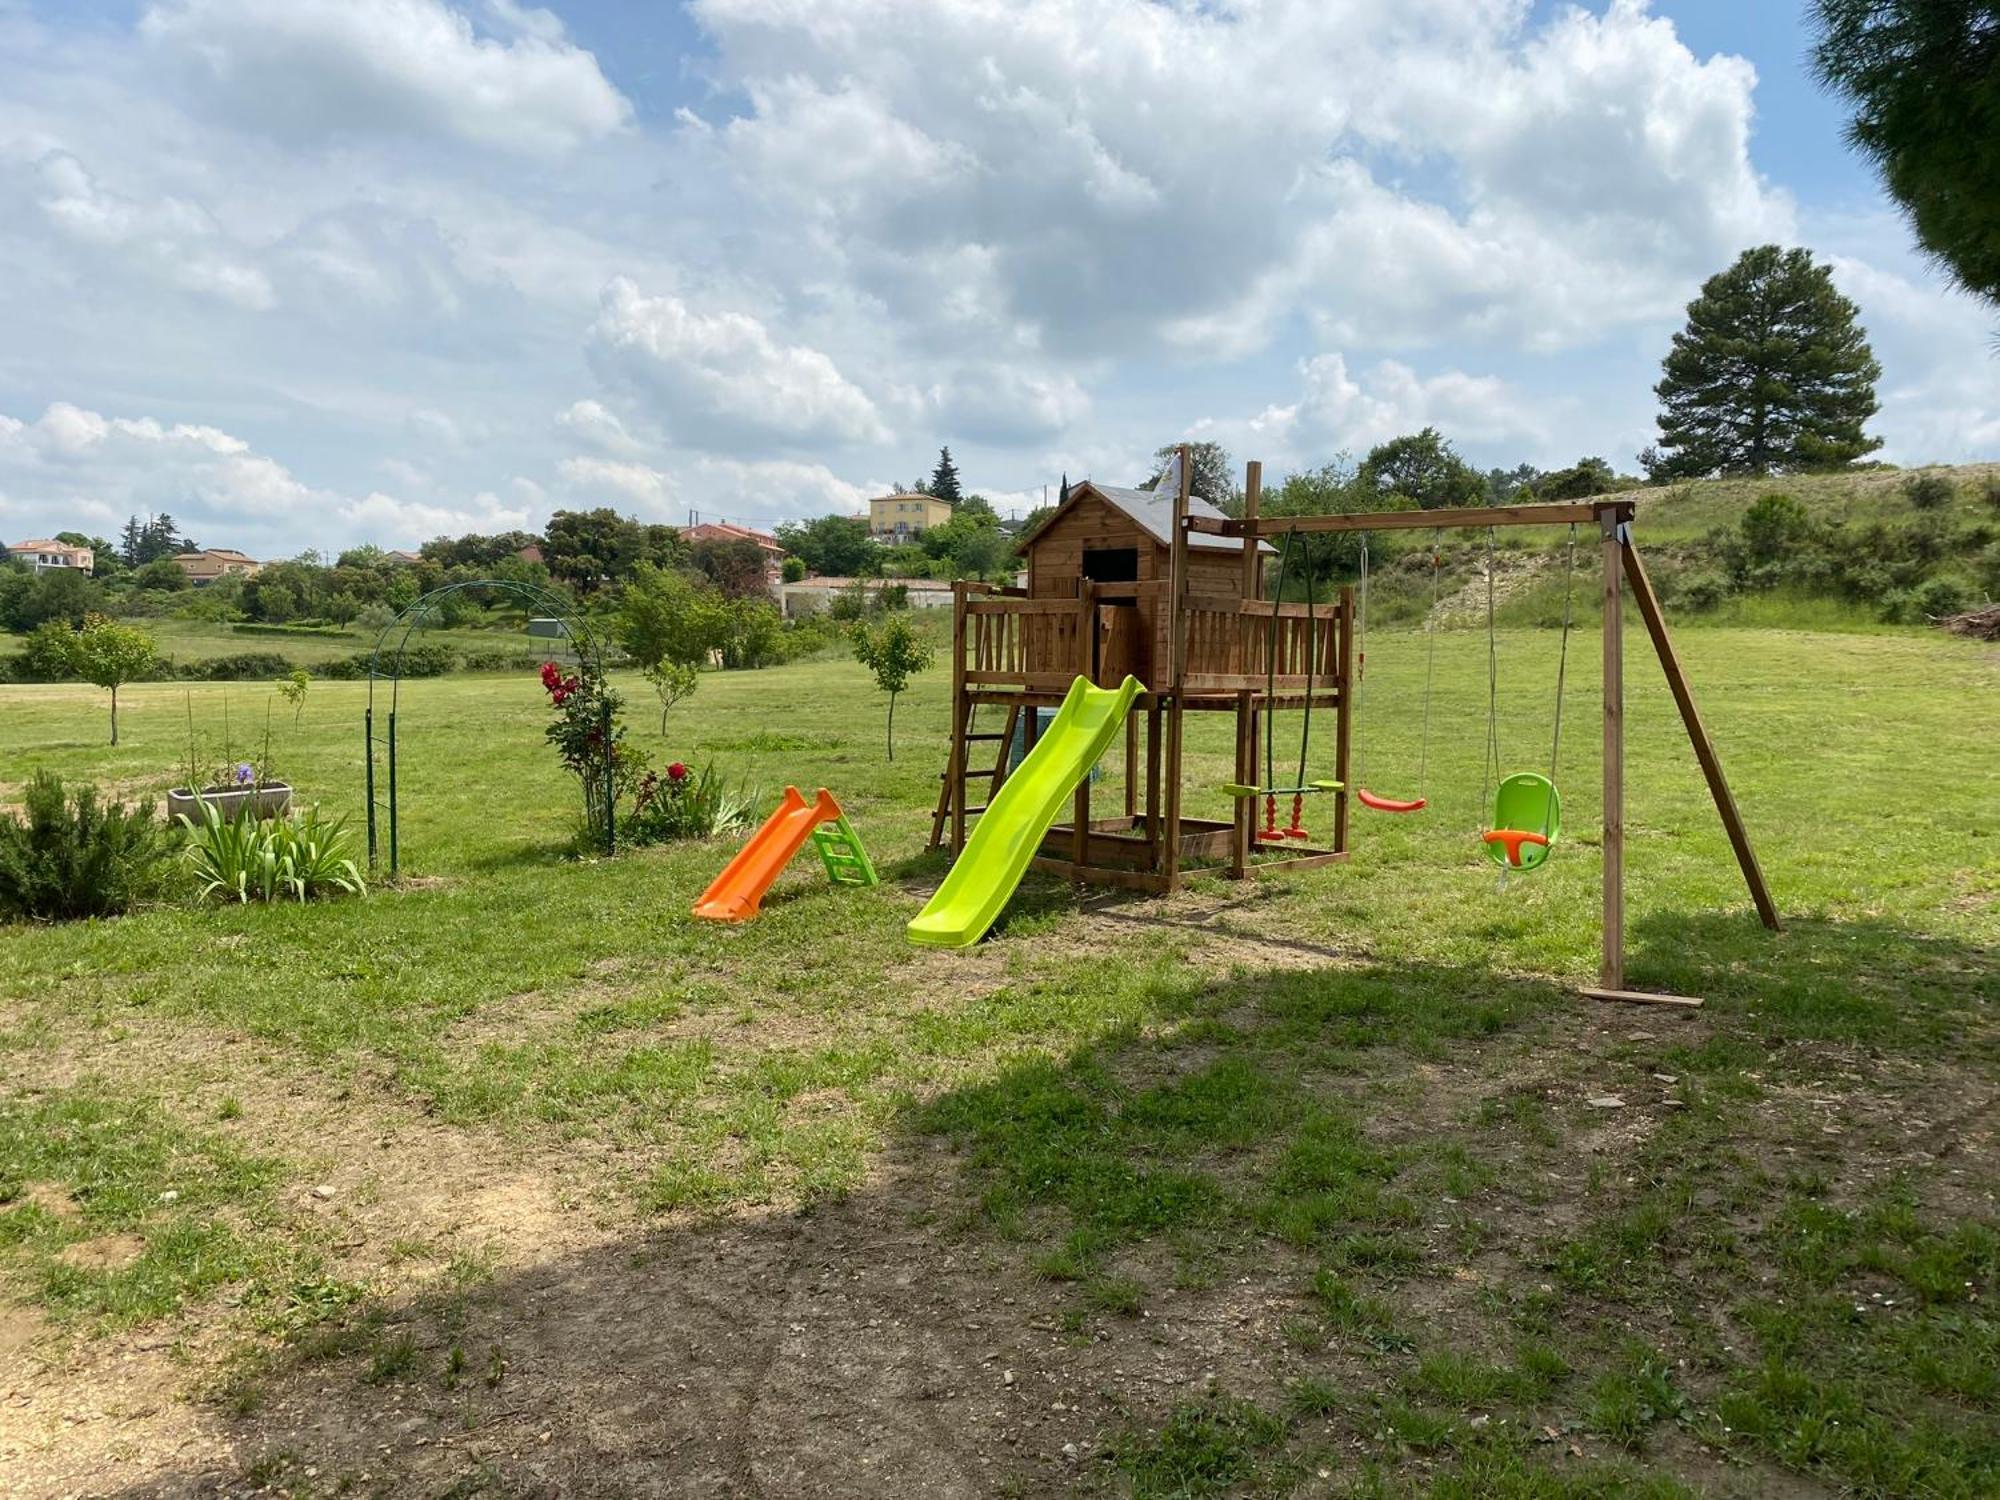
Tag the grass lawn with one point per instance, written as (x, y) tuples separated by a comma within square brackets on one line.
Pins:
[(513, 1179)]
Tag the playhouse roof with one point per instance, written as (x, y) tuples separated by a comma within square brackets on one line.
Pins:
[(1153, 511)]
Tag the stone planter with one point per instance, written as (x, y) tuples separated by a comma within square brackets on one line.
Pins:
[(272, 799)]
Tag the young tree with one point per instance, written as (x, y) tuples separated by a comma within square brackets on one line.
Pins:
[(894, 652), (292, 687), (944, 479), (110, 655), (793, 570), (1924, 78), (671, 681), (1423, 468), (1771, 375)]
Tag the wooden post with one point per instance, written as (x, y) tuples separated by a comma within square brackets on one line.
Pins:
[(1343, 721), (1245, 830), (1253, 498), (1153, 842), (954, 770), (1611, 974), (1244, 826), (1177, 667), (1131, 767), (1704, 747)]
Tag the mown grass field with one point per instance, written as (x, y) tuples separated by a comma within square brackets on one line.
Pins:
[(513, 1179)]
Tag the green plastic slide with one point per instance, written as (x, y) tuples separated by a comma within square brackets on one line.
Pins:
[(1011, 829)]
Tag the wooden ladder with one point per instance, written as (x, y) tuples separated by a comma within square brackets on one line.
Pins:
[(956, 779)]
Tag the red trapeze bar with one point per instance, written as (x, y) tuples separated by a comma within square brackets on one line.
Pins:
[(1387, 804)]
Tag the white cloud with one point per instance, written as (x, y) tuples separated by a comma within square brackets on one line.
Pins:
[(604, 481), (718, 378), (167, 239), (87, 470), (1337, 411), (327, 69), (595, 424)]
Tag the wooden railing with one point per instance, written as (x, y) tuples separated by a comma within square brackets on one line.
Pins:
[(1043, 644), (1033, 642), (1230, 646)]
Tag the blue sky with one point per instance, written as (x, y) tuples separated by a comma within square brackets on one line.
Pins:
[(341, 270)]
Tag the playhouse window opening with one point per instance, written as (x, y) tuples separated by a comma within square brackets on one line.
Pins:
[(1111, 565)]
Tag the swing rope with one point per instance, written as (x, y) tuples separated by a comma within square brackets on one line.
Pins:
[(1492, 767), (1562, 667), (1366, 797), (1430, 670)]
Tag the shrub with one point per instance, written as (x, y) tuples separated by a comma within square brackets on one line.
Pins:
[(1991, 490), (50, 653), (1773, 529), (1927, 491), (1703, 591), (69, 857), (242, 666), (246, 859), (680, 804), (1989, 570), (589, 736)]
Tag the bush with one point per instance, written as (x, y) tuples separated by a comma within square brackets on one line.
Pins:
[(1933, 599), (1927, 491), (684, 805), (1703, 590), (243, 666), (246, 859), (1991, 490), (69, 857), (50, 653)]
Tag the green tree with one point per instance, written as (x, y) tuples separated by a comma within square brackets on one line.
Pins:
[(1424, 469), (832, 546), (1506, 485), (162, 574), (1332, 489), (739, 568), (793, 570), (666, 616), (944, 479), (1771, 375), (110, 655), (1924, 79), (895, 653), (1585, 477)]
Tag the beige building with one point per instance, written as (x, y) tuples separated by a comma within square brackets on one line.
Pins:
[(44, 555), (897, 518), (216, 562), (811, 596)]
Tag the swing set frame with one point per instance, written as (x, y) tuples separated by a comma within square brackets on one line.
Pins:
[(1623, 568)]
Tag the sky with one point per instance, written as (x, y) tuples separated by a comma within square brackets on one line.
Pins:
[(322, 272)]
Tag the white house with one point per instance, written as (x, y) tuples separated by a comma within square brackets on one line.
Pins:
[(43, 555)]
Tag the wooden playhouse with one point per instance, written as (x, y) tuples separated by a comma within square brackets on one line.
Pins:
[(1119, 582)]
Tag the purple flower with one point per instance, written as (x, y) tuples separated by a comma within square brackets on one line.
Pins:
[(245, 773)]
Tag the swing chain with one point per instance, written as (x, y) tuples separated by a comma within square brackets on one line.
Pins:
[(1562, 665)]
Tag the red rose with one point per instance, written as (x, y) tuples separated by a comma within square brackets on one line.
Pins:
[(677, 772), (550, 676)]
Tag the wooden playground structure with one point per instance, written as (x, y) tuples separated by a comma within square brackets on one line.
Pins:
[(1168, 589)]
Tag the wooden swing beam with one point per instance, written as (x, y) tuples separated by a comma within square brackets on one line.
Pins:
[(1622, 567)]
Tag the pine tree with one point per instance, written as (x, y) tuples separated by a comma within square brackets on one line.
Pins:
[(1924, 77), (944, 479), (130, 541), (1771, 374)]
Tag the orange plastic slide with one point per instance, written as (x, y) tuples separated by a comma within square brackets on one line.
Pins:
[(738, 890)]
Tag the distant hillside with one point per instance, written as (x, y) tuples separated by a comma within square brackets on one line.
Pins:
[(1875, 549)]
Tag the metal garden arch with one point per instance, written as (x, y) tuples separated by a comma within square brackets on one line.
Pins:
[(540, 601)]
